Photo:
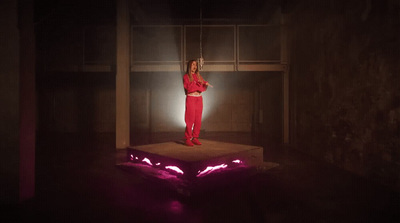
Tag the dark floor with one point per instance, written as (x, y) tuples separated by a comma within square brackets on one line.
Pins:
[(77, 181)]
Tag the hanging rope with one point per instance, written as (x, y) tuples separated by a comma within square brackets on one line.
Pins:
[(201, 30), (201, 60)]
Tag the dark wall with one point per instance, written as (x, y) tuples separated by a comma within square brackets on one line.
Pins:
[(9, 102), (269, 123), (345, 78), (76, 102)]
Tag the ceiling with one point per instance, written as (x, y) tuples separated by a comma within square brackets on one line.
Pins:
[(211, 11), (159, 11)]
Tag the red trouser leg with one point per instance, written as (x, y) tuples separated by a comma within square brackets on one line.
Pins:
[(197, 117), (193, 113)]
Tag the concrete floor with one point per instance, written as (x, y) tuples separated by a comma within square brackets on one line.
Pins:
[(77, 181)]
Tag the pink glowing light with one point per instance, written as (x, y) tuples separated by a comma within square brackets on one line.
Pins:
[(210, 169), (158, 164), (147, 161), (133, 156), (237, 161), (174, 168)]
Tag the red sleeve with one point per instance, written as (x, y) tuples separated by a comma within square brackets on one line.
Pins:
[(204, 86), (192, 86)]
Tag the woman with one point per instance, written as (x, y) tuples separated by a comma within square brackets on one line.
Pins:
[(194, 85)]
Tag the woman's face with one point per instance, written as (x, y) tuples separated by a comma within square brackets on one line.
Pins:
[(193, 67)]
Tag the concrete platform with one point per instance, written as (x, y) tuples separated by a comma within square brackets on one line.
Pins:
[(194, 170), (195, 162)]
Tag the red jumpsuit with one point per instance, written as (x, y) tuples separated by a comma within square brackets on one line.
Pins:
[(194, 106)]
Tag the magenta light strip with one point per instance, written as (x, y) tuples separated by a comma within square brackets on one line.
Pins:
[(174, 168), (135, 157), (210, 169), (237, 161), (147, 161)]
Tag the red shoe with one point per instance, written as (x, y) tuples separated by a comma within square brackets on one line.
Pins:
[(189, 143), (196, 141)]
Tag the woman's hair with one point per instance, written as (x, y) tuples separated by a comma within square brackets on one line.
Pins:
[(189, 73)]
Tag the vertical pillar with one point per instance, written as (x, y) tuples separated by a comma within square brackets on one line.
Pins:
[(285, 63), (9, 102), (122, 77), (27, 126)]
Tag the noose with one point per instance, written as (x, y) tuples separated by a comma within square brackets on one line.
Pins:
[(201, 60)]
